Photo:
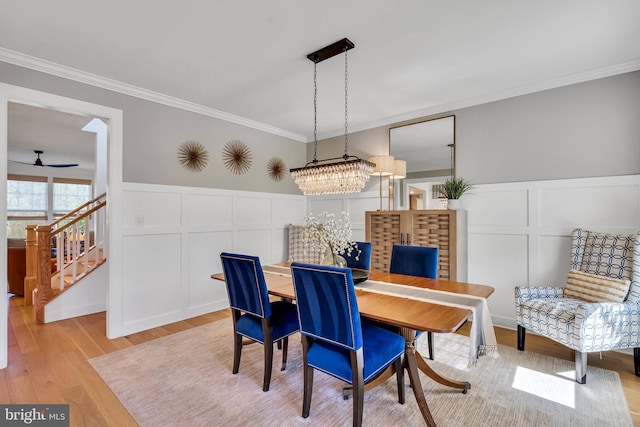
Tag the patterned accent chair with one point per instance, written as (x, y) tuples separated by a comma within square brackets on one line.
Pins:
[(335, 340), (588, 326), (254, 316), (299, 251)]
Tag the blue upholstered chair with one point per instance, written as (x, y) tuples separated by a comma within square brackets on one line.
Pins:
[(363, 261), (254, 317), (419, 261), (334, 338), (571, 315)]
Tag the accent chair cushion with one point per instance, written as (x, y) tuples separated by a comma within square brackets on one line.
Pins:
[(594, 288)]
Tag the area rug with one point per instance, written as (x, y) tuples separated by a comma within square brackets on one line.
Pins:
[(185, 379)]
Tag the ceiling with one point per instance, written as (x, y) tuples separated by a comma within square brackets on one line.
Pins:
[(247, 59), (57, 133)]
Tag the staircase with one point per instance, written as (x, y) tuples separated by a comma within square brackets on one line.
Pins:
[(83, 265), (77, 241)]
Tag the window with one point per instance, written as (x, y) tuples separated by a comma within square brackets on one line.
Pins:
[(26, 203), (69, 194), (28, 200)]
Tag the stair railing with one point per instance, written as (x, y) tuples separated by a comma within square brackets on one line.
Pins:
[(75, 250)]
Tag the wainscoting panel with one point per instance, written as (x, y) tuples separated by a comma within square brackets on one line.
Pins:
[(332, 204), (520, 233), (615, 204), (203, 258), (513, 204), (279, 242), (553, 260), (203, 209), (355, 204), (254, 242), (498, 260), (151, 208), (252, 210), (169, 256), (152, 277), (287, 211)]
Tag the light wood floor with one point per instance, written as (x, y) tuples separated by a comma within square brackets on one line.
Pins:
[(48, 363)]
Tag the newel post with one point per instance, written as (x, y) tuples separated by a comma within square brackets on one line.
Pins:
[(32, 265), (43, 270)]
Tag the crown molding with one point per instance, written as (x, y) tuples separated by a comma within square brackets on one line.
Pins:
[(70, 73), (625, 67), (52, 68)]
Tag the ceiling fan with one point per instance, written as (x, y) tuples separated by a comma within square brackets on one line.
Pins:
[(38, 162)]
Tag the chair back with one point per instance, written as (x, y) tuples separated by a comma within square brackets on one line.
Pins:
[(326, 303), (363, 255), (609, 255), (245, 282), (419, 261), (301, 251)]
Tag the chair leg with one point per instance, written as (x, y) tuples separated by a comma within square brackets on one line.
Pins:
[(285, 347), (268, 364), (636, 360), (430, 344), (581, 367), (307, 377), (522, 332), (400, 379), (237, 352), (357, 369)]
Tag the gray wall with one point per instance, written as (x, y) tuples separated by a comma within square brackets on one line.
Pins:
[(589, 129), (153, 133), (582, 130)]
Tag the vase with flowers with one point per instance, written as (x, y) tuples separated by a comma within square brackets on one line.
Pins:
[(331, 234)]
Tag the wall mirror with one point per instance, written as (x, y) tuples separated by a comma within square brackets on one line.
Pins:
[(429, 149)]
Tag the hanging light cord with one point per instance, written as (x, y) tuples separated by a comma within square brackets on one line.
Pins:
[(346, 156), (315, 112)]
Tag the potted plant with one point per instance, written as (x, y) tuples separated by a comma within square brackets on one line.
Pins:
[(453, 189)]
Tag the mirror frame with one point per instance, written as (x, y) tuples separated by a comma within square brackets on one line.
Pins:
[(403, 187)]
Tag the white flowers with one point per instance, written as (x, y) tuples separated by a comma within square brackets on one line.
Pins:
[(327, 230)]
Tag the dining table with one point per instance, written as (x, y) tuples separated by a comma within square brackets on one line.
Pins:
[(409, 315)]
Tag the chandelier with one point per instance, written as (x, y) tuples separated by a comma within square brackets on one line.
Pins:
[(339, 175)]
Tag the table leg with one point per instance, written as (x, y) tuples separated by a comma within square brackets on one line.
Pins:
[(424, 367), (414, 377)]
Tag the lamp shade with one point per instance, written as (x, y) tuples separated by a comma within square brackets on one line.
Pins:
[(384, 165), (399, 169)]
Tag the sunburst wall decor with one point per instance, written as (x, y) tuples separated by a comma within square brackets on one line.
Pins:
[(193, 156), (276, 169), (237, 156)]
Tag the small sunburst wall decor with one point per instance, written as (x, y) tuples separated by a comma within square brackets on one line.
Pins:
[(276, 169), (237, 156), (193, 156)]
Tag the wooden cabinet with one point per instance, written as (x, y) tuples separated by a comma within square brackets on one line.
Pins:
[(444, 229)]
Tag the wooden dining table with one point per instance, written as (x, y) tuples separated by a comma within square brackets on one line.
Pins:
[(408, 315)]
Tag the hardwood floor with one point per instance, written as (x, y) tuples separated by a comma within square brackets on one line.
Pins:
[(48, 363)]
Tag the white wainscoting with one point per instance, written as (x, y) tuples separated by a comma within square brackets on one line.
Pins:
[(519, 233), (354, 204), (172, 239)]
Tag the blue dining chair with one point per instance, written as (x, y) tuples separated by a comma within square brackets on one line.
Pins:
[(334, 338), (419, 261), (360, 257), (254, 316)]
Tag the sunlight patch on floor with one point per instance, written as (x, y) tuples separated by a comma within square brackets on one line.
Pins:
[(549, 387)]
